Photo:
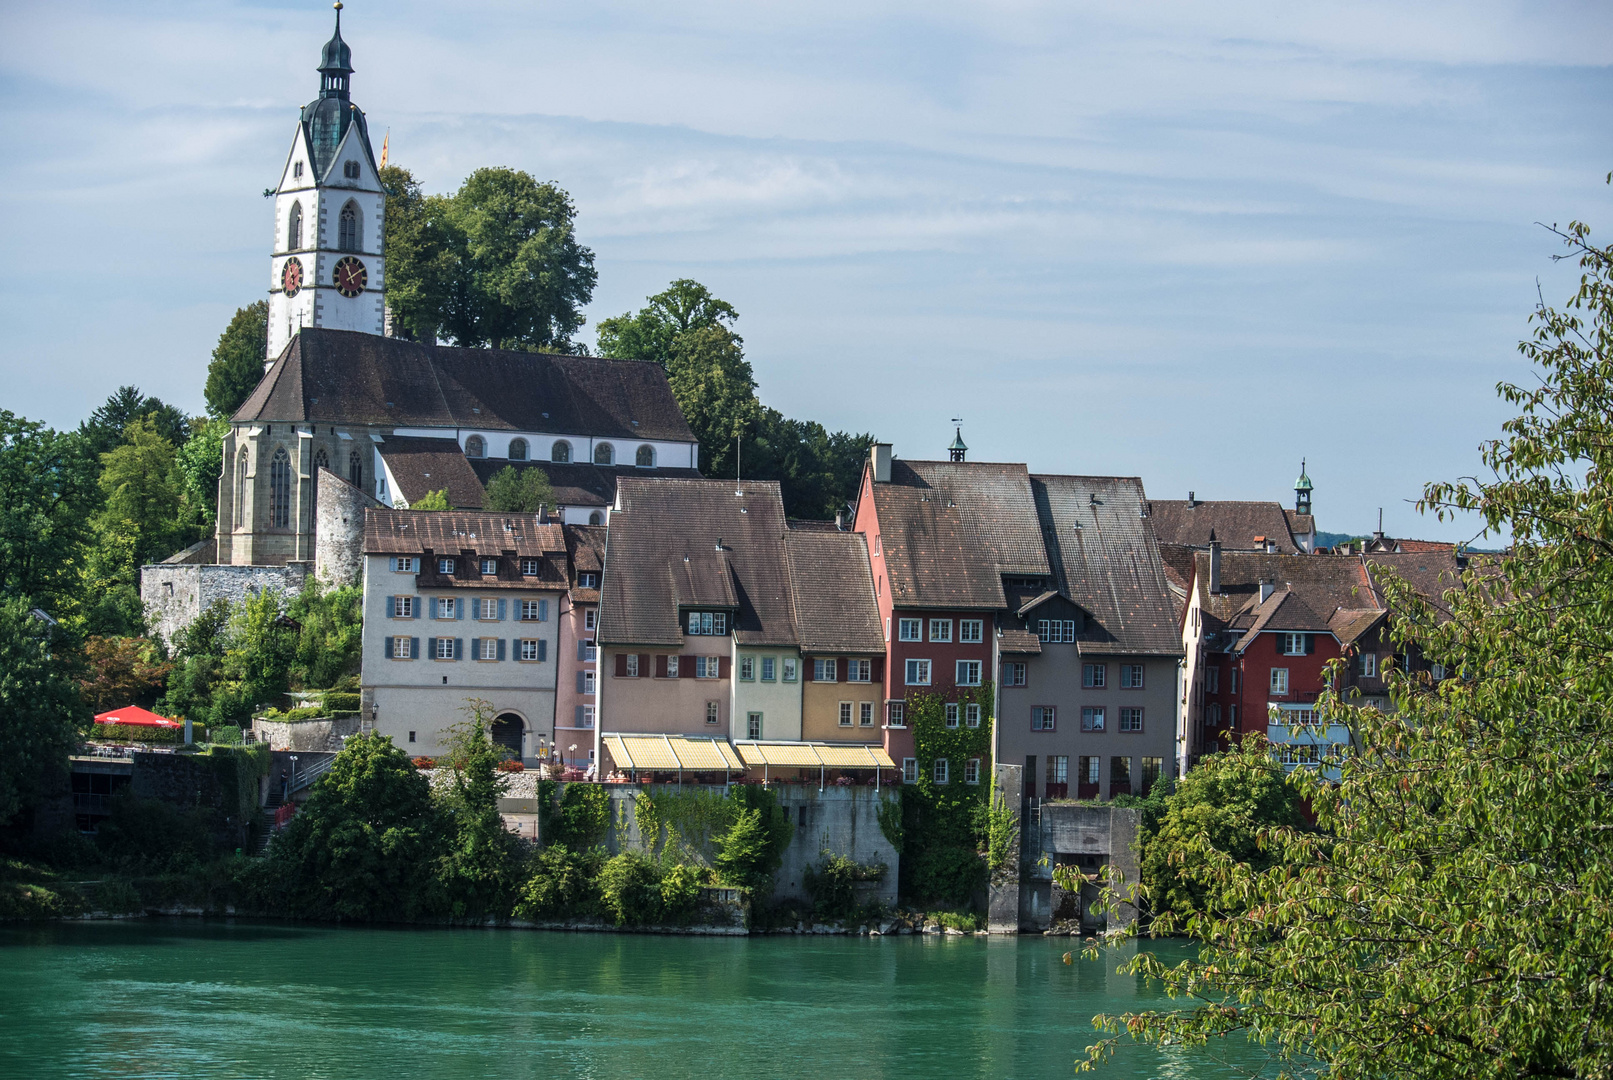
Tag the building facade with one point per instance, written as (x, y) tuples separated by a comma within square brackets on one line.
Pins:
[(577, 694), (461, 606)]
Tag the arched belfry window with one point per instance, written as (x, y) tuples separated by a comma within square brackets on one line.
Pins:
[(604, 454), (561, 451), (347, 230), (240, 488), (517, 449), (294, 228), (280, 490), (355, 470), (475, 447), (645, 458)]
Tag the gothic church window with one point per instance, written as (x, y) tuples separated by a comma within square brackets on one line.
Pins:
[(280, 490), (604, 454), (355, 470), (561, 451), (294, 229), (240, 488), (517, 449), (347, 232)]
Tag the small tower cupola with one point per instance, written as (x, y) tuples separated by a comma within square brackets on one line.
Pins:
[(957, 449), (1302, 491), (335, 63)]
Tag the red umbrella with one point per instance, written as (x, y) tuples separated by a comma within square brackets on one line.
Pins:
[(136, 715)]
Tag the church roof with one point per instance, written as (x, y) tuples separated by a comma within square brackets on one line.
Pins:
[(346, 377)]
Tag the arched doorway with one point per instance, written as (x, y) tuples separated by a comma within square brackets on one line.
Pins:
[(507, 733)]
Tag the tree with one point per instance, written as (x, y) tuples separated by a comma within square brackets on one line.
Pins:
[(685, 305), (330, 632), (201, 463), (121, 671), (482, 869), (108, 424), (47, 495), (1228, 801), (518, 491), (365, 844), (1452, 915), (237, 364), (496, 264), (143, 486), (41, 714), (432, 500), (716, 389)]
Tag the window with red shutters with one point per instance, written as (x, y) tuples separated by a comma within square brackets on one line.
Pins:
[(686, 667), (621, 665), (660, 666)]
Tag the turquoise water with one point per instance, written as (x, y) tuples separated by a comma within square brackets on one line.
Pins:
[(191, 999)]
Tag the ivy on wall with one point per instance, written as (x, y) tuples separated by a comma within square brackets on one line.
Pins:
[(943, 823)]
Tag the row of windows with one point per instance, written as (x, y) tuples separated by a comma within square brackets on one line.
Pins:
[(970, 631), (483, 609), (661, 666), (445, 648), (940, 771), (856, 671), (1093, 718), (448, 565), (349, 224), (560, 452), (966, 673), (1093, 676), (1089, 769), (280, 476)]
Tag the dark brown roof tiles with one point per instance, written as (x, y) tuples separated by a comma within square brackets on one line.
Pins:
[(833, 591)]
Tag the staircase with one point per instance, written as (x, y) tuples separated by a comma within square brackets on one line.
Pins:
[(276, 811)]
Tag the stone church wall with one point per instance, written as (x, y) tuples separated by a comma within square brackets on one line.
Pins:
[(339, 530), (173, 594)]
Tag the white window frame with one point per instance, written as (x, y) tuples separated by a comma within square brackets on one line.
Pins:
[(1132, 676), (825, 670), (487, 648), (1369, 665), (1016, 673), (846, 714), (1286, 642), (865, 714), (403, 607), (920, 668), (672, 666), (529, 649), (859, 671), (769, 672), (489, 566), (941, 771), (971, 631), (531, 567), (1279, 680), (534, 610), (445, 566), (791, 671), (403, 642), (630, 665), (708, 667), (588, 712), (1094, 676), (588, 579), (590, 682), (753, 725), (590, 619), (747, 669), (951, 714), (444, 645), (971, 771), (1044, 717), (941, 630), (448, 602), (909, 629), (407, 564), (1094, 718), (968, 673), (486, 609), (971, 714), (896, 714), (910, 770), (713, 712), (1137, 715)]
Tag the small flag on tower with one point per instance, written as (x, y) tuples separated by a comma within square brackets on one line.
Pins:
[(384, 140)]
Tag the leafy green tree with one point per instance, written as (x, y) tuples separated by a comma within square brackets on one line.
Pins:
[(563, 884), (496, 264), (108, 425), (201, 464), (1452, 916), (482, 870), (432, 500), (685, 305), (47, 495), (519, 491), (107, 600), (144, 487), (41, 713), (121, 671), (237, 364), (197, 654), (330, 632), (716, 389), (365, 845), (258, 661), (1224, 805), (751, 850)]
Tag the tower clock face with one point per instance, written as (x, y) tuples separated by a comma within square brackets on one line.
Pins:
[(291, 277), (350, 276)]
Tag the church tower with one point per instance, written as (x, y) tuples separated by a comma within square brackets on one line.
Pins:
[(327, 267)]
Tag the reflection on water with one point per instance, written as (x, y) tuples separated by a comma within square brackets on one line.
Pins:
[(189, 999)]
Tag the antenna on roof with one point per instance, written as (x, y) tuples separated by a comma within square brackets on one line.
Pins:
[(739, 447)]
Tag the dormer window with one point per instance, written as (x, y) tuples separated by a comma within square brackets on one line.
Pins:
[(708, 623), (588, 579), (645, 457), (445, 567), (489, 567), (531, 567)]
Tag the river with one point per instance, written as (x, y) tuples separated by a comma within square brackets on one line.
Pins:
[(185, 998)]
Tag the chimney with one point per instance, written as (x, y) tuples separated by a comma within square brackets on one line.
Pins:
[(1215, 565), (1461, 556), (1266, 589), (719, 543), (1191, 502), (840, 521), (882, 462), (1271, 547)]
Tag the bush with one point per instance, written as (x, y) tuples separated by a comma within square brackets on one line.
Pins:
[(151, 836), (583, 817), (227, 735), (832, 884), (563, 885), (141, 733), (510, 765), (967, 921), (635, 890), (945, 875), (750, 852), (424, 762), (335, 701)]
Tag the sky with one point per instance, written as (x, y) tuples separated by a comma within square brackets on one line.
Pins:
[(1190, 242)]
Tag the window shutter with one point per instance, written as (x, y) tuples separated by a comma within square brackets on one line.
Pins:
[(543, 611), (391, 606), (415, 607), (578, 721), (582, 649), (501, 644), (543, 649), (459, 607), (686, 667), (644, 665), (414, 648), (725, 667), (621, 665), (579, 682), (1310, 644), (660, 666), (459, 648), (502, 607), (392, 565)]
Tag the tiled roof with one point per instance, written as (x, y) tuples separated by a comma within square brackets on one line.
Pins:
[(1431, 573), (1326, 586), (1235, 524), (1105, 558), (585, 550), (833, 591), (950, 530), (577, 483), (1300, 524), (663, 550), (424, 465), (1017, 639), (409, 532), (341, 376)]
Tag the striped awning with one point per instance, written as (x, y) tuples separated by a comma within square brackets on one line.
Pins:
[(814, 755), (671, 753)]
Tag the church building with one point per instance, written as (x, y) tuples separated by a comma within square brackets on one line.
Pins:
[(396, 419)]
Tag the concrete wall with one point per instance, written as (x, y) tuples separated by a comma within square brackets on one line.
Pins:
[(174, 594), (1096, 839)]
